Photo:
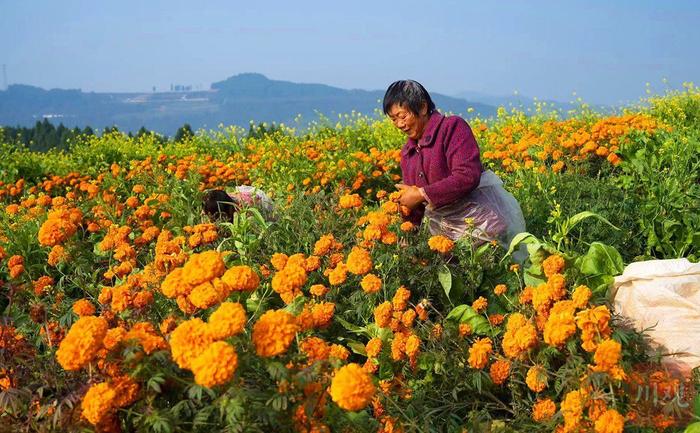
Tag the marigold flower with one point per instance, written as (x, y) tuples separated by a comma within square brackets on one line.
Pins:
[(83, 307), (543, 410), (520, 336), (359, 261), (572, 408), (215, 365), (279, 261), (412, 346), (536, 378), (144, 333), (441, 244), (241, 278), (318, 290), (203, 267), (352, 388), (228, 320), (580, 296), (480, 304), (382, 314), (526, 295), (408, 317), (322, 314), (209, 293), (610, 422), (479, 353), (400, 299), (290, 279), (350, 201), (499, 372), (500, 289), (338, 275), (324, 245), (339, 352), (373, 347), (113, 337), (406, 226), (274, 332), (315, 349), (560, 325), (552, 265), (464, 329), (99, 402), (607, 355), (371, 283), (83, 342), (188, 341)]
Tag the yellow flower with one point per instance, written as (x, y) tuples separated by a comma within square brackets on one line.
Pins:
[(441, 244), (352, 387), (400, 299), (560, 325), (581, 296), (203, 267), (228, 320), (572, 408), (274, 332), (209, 293), (500, 289), (82, 343), (324, 245), (480, 304), (552, 265), (382, 314), (215, 365), (520, 336)]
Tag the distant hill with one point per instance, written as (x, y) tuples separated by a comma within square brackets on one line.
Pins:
[(234, 101), (521, 101)]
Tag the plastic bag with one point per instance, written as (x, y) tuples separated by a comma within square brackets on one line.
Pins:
[(488, 213), (665, 295)]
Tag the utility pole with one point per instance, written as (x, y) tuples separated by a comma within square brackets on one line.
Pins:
[(4, 76)]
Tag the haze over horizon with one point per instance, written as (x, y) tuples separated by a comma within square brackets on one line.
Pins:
[(605, 52)]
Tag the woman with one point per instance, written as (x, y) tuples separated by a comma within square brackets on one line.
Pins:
[(221, 205), (442, 172)]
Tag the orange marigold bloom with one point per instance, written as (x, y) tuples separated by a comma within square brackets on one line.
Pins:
[(572, 408), (290, 279), (203, 267), (359, 261), (318, 290), (315, 349), (215, 365), (594, 324), (174, 284), (312, 263), (83, 307), (322, 314), (228, 320), (607, 355), (520, 336), (406, 226), (496, 319), (338, 275), (352, 387), (400, 299), (408, 317), (279, 261), (560, 325), (382, 314), (499, 372), (99, 402), (610, 422), (113, 337), (209, 293), (480, 304), (144, 333), (274, 332), (350, 201), (441, 244), (188, 341), (324, 245), (82, 343), (339, 352), (552, 265), (479, 353), (536, 378), (526, 295), (543, 410), (371, 283), (143, 299), (373, 347), (500, 289), (464, 329), (581, 296), (241, 278)]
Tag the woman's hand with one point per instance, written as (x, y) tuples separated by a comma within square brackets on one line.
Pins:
[(410, 195)]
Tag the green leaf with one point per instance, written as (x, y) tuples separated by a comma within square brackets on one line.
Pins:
[(466, 314), (351, 327), (445, 278), (693, 428), (602, 259), (576, 219), (521, 238)]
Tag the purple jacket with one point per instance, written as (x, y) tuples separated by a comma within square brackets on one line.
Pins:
[(444, 162)]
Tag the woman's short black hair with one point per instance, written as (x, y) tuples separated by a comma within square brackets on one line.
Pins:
[(407, 93), (219, 205)]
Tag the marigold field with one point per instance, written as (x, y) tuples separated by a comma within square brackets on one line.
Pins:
[(123, 308)]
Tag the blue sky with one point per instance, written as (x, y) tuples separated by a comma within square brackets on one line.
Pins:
[(605, 51)]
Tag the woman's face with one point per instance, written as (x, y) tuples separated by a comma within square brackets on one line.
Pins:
[(407, 121)]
